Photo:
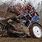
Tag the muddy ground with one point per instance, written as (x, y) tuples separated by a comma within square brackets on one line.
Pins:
[(10, 39)]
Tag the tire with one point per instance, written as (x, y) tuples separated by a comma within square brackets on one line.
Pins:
[(35, 30)]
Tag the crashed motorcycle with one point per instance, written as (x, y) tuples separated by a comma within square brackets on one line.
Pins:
[(20, 26), (22, 23)]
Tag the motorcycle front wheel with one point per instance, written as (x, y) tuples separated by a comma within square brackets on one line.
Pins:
[(36, 30)]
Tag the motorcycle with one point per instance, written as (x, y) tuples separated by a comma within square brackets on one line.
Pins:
[(22, 23), (20, 26)]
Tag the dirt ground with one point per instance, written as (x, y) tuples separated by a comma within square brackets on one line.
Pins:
[(8, 39)]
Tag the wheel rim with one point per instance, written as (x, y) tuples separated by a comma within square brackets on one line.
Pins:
[(37, 31)]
